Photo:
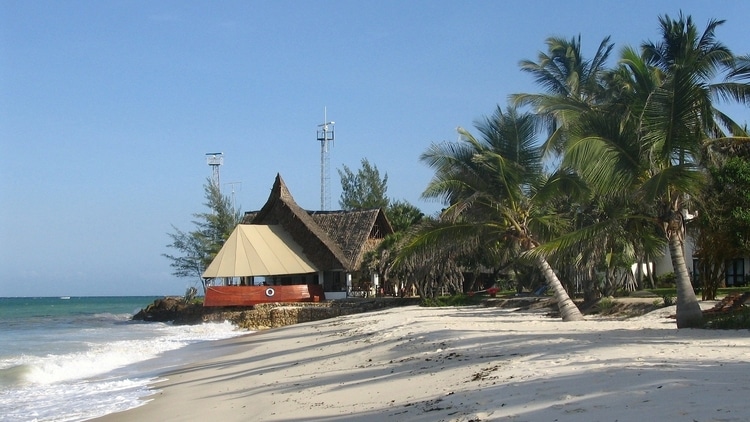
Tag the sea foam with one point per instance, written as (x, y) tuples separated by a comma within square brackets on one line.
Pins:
[(106, 370)]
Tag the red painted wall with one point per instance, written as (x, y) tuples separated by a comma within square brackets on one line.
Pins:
[(252, 295)]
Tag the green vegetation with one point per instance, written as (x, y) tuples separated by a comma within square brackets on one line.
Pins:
[(724, 232), (363, 190), (605, 306), (498, 196), (732, 321), (196, 249), (724, 291), (402, 215), (625, 163), (452, 300)]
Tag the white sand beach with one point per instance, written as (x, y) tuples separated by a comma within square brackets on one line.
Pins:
[(463, 364)]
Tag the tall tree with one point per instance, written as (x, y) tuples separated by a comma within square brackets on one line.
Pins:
[(363, 190), (495, 189), (650, 139), (574, 87), (196, 249), (677, 120), (722, 231)]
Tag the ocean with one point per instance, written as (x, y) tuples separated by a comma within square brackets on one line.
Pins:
[(76, 358)]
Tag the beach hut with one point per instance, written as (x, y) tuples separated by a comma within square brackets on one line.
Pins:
[(301, 255)]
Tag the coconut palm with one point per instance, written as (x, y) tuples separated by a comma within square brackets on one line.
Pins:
[(495, 189), (618, 155), (678, 118), (649, 142), (572, 83), (575, 86)]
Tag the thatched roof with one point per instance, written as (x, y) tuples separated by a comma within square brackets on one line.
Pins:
[(333, 240), (356, 232)]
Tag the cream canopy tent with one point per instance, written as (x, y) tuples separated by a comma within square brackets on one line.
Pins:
[(259, 250)]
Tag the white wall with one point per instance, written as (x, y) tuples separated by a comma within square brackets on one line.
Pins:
[(663, 265), (335, 295)]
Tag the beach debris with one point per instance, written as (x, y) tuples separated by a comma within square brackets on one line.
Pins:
[(731, 303)]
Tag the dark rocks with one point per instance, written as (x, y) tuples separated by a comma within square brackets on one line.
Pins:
[(173, 309)]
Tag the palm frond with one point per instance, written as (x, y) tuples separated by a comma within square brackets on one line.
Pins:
[(740, 69), (679, 179)]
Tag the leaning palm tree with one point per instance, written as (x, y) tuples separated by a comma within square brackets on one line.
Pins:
[(650, 140), (573, 85), (495, 189)]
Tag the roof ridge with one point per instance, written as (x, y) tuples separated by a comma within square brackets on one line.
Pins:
[(280, 192)]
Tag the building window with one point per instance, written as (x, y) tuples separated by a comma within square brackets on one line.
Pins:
[(735, 272), (334, 281)]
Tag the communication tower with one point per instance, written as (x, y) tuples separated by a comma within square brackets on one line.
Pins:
[(215, 160), (325, 135)]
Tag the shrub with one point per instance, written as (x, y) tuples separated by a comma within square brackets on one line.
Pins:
[(731, 321), (453, 300), (430, 303), (666, 280), (606, 305)]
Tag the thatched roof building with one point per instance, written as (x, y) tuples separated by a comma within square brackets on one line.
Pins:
[(332, 240)]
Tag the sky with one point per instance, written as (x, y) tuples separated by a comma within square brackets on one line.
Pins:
[(108, 108)]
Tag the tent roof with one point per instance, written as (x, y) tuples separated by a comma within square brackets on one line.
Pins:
[(259, 250)]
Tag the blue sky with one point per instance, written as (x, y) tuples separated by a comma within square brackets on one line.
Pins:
[(107, 109)]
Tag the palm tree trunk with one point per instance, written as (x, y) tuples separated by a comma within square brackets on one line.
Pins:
[(689, 314), (568, 310), (640, 276), (650, 272)]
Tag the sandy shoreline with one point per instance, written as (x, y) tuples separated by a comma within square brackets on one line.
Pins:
[(463, 364)]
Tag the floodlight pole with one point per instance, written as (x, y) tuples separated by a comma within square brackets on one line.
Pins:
[(215, 160)]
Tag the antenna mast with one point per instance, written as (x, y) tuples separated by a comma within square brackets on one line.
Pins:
[(234, 202), (325, 134), (215, 160)]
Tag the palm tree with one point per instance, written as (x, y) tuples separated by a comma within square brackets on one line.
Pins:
[(572, 83), (649, 141), (678, 119), (574, 87), (495, 188)]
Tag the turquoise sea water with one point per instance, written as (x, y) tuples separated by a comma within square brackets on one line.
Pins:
[(71, 359)]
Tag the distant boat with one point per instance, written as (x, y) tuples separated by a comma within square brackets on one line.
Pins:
[(64, 297)]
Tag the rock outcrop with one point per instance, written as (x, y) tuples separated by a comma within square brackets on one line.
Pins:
[(171, 308)]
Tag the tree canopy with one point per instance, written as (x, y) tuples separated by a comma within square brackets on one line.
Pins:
[(637, 139), (364, 189), (194, 250)]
